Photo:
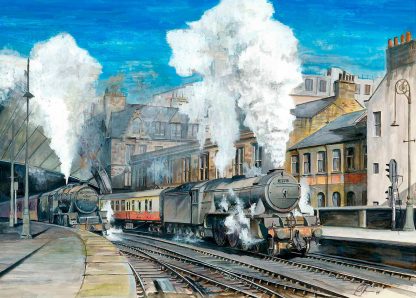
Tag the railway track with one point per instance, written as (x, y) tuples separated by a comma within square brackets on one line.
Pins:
[(294, 276), (198, 279)]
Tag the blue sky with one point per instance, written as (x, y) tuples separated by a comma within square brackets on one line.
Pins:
[(129, 36)]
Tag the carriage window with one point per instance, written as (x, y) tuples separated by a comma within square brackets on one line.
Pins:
[(132, 205), (117, 205), (123, 205), (127, 205), (140, 206), (150, 205), (145, 205), (112, 205)]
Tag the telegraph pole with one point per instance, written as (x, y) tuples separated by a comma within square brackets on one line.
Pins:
[(11, 215), (26, 216)]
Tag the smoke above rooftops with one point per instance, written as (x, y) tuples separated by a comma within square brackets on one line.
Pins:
[(63, 80), (248, 62)]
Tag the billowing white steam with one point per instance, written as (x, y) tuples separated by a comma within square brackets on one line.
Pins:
[(305, 195), (62, 78), (248, 61), (112, 232), (237, 222)]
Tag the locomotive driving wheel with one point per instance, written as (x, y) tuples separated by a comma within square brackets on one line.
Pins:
[(233, 239), (219, 231)]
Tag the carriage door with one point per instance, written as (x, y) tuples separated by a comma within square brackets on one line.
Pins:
[(195, 207)]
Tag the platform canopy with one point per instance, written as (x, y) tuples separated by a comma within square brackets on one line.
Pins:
[(12, 127)]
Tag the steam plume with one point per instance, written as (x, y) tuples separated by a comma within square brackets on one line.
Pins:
[(248, 61), (63, 78)]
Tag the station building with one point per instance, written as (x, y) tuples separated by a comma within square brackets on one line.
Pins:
[(390, 116)]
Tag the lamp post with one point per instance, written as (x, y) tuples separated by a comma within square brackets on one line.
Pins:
[(402, 87), (26, 216)]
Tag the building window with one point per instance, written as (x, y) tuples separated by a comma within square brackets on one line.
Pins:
[(357, 88), (239, 160), (321, 156), (377, 124), (322, 86), (336, 199), (321, 199), (375, 168), (142, 177), (306, 163), (257, 155), (159, 128), (169, 168), (127, 179), (137, 126), (364, 198), (351, 201), (295, 164), (350, 158), (176, 130), (308, 84), (186, 169), (142, 149), (129, 153), (365, 157), (367, 90), (203, 166), (336, 160), (193, 130)]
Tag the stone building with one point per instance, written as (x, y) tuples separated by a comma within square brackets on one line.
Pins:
[(333, 162), (387, 130), (312, 116), (187, 163), (137, 129)]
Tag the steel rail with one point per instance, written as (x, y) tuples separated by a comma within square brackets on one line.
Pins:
[(315, 289), (139, 281), (352, 263), (135, 254), (175, 269)]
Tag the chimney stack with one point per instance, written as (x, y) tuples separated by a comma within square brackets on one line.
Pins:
[(402, 54)]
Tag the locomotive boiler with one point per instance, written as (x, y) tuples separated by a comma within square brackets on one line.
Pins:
[(242, 211)]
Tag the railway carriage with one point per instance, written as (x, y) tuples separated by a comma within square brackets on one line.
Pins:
[(135, 209)]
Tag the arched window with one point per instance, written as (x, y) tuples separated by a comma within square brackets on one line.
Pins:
[(351, 201), (336, 199), (321, 199), (137, 126)]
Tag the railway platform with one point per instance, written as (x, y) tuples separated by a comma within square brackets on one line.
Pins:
[(396, 248), (61, 262)]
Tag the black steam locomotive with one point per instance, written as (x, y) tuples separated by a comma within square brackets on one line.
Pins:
[(242, 211)]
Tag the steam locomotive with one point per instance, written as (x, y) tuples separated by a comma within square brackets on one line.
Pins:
[(73, 205), (264, 206)]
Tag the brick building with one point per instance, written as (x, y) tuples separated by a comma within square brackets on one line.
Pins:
[(333, 162)]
